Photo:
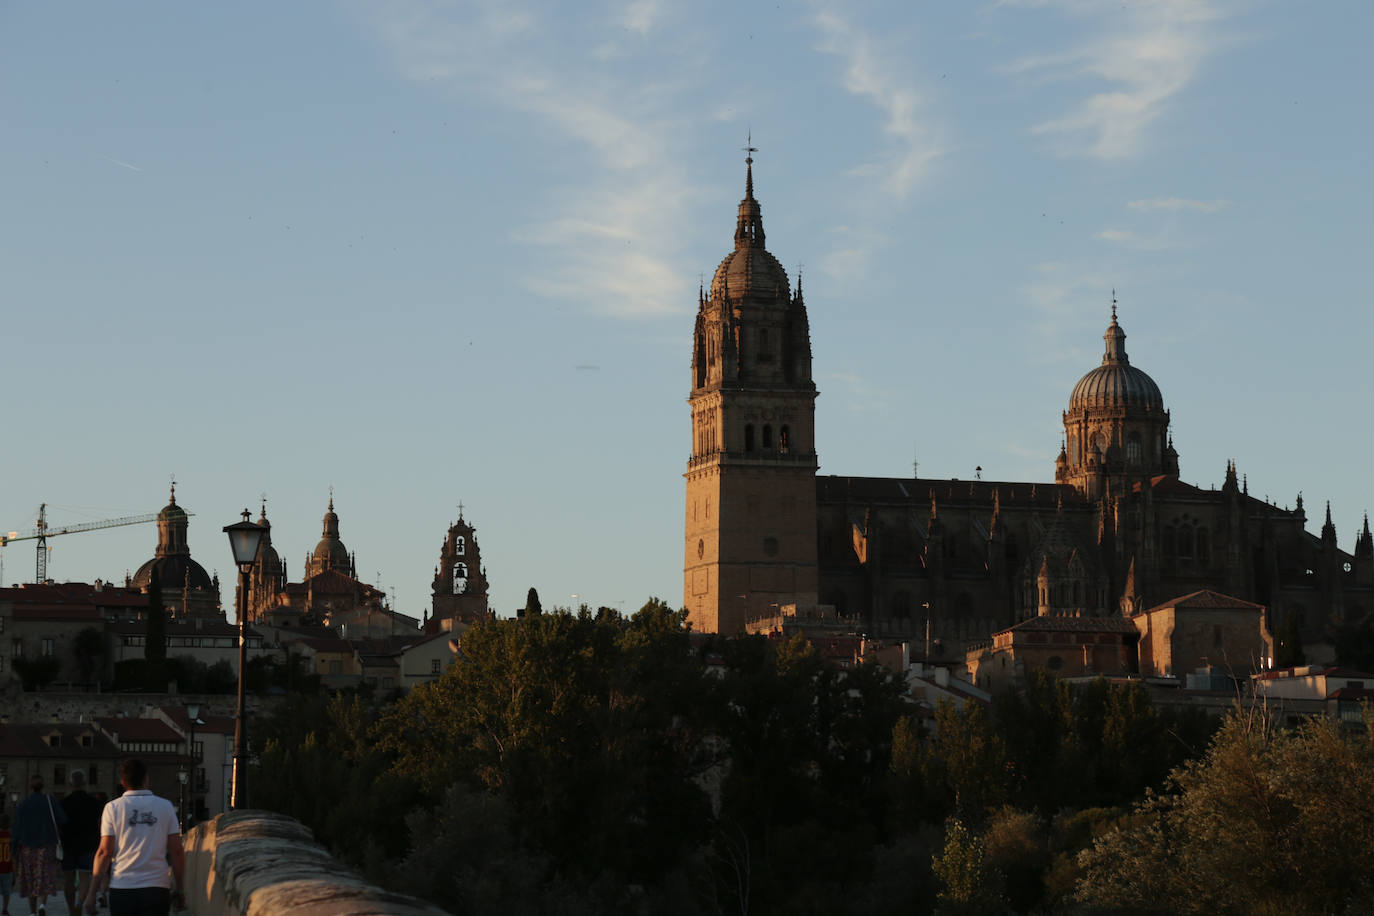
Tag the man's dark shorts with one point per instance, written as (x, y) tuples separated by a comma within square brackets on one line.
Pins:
[(140, 901), (82, 861)]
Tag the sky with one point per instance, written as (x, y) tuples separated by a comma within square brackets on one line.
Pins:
[(432, 253)]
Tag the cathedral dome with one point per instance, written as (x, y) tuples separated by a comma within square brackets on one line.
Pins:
[(330, 552), (1116, 383), (750, 270), (173, 573)]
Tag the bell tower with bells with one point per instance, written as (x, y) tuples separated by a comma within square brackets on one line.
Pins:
[(460, 580)]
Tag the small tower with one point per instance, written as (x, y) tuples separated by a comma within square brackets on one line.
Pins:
[(460, 581)]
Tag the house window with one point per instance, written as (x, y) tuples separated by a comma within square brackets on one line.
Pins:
[(93, 775), (434, 665), (749, 437), (17, 647), (54, 741), (1133, 449), (85, 740), (388, 682), (59, 774), (767, 435), (336, 667), (785, 440)]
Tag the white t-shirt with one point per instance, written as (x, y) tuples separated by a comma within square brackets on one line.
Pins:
[(140, 822)]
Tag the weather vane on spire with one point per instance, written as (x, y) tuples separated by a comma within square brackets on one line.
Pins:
[(749, 148), (1113, 303)]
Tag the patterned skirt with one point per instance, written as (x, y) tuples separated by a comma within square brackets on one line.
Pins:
[(35, 871)]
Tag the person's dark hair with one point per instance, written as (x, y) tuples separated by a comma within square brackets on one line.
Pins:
[(133, 773)]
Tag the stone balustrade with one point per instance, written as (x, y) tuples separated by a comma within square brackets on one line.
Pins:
[(257, 863)]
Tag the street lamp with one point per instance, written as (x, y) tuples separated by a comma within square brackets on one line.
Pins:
[(192, 713), (244, 538)]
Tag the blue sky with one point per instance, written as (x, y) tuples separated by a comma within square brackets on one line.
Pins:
[(437, 252)]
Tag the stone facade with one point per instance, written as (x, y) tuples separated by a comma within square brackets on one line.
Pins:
[(1116, 530), (1201, 630)]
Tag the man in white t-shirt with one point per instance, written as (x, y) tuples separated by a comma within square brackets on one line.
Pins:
[(139, 836)]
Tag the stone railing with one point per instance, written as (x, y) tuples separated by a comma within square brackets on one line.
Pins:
[(256, 863)]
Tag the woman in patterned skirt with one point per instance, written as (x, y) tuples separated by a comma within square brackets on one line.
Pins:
[(36, 822)]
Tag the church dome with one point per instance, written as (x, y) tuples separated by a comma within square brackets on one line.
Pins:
[(750, 270), (173, 573), (1116, 383), (330, 552)]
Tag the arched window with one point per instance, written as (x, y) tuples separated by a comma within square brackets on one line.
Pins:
[(767, 435), (1166, 541), (460, 546), (1203, 549), (1133, 455), (749, 437), (1185, 542), (784, 438)]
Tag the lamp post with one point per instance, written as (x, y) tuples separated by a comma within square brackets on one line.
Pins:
[(181, 778), (244, 538), (192, 713)]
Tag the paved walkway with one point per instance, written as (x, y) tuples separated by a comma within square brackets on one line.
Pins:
[(57, 906)]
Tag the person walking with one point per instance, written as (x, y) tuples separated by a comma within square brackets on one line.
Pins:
[(80, 838), (37, 820), (139, 837)]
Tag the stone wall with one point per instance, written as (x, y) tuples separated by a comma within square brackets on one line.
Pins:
[(257, 863)]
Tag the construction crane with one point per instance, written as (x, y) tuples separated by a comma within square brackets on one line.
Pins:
[(41, 532)]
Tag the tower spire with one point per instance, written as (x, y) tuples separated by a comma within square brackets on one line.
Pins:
[(749, 229)]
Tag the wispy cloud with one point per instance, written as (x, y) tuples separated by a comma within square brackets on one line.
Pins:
[(860, 395), (879, 77), (1115, 235), (1176, 204), (1153, 50), (1063, 296), (609, 240)]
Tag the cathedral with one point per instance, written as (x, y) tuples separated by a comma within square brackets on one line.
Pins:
[(951, 562), (329, 593)]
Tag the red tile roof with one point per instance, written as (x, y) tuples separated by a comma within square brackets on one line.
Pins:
[(1057, 624), (130, 729), (1206, 599)]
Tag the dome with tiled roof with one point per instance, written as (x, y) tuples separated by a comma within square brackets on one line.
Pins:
[(749, 270), (172, 561), (1116, 383), (330, 552)]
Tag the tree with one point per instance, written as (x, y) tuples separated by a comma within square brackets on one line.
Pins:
[(970, 886), (36, 673), (532, 606), (155, 641), (89, 647), (1269, 821)]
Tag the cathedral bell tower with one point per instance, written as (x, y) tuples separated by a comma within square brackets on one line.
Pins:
[(751, 480), (460, 581)]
